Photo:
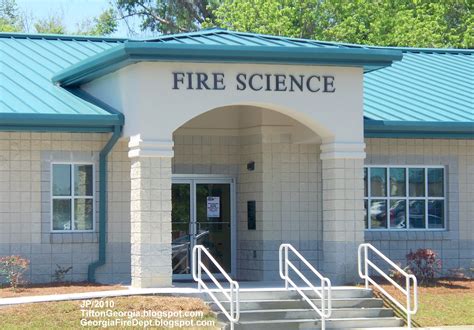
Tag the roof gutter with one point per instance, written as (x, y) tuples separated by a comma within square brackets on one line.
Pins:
[(103, 157), (59, 123), (91, 271), (415, 129), (133, 52)]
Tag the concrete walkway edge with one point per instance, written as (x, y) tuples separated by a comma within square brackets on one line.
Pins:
[(98, 295)]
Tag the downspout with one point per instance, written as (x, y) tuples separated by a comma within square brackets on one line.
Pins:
[(103, 202)]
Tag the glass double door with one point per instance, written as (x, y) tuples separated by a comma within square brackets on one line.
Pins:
[(202, 212)]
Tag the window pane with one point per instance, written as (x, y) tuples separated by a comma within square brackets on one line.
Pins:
[(83, 214), (416, 180), (378, 181), (378, 214), (61, 180), (83, 180), (397, 182), (365, 214), (436, 214), (435, 182), (398, 214), (366, 193), (62, 214), (417, 214)]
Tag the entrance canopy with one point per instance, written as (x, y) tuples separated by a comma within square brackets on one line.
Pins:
[(222, 46)]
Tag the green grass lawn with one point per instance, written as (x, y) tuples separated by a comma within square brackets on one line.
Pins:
[(445, 309), (447, 302), (68, 315)]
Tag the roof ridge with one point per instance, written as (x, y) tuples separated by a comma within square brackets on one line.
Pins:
[(427, 50), (64, 37), (216, 30), (181, 34)]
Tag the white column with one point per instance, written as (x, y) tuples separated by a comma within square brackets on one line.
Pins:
[(150, 212), (343, 208)]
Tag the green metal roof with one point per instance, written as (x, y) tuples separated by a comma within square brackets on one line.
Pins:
[(217, 45), (424, 86), (428, 94), (28, 98), (431, 92), (223, 37)]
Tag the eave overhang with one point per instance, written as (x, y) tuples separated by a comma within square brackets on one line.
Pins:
[(416, 129), (133, 52), (60, 122)]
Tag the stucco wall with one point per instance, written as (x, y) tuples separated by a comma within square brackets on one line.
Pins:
[(25, 216), (133, 90), (455, 245)]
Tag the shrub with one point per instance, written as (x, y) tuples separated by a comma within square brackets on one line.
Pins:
[(60, 273), (396, 275), (424, 264), (13, 268)]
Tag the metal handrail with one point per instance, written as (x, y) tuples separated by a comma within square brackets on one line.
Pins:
[(410, 308), (232, 294), (285, 264)]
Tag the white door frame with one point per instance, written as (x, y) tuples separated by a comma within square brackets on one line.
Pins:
[(194, 179)]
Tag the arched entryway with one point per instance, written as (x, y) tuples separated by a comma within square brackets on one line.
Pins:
[(245, 179), (269, 126), (155, 112)]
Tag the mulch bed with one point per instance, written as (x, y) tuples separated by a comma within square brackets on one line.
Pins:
[(438, 286)]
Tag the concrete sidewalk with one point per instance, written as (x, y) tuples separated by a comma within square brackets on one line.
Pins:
[(180, 289), (185, 289), (99, 294), (456, 327)]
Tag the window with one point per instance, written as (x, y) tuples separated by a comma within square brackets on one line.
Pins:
[(404, 197), (72, 197)]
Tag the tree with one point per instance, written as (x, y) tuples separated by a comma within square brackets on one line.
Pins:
[(170, 16), (104, 24), (52, 25), (10, 20), (418, 23), (292, 18)]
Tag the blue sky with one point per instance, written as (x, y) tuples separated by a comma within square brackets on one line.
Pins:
[(72, 11)]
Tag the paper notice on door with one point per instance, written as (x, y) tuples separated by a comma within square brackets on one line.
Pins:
[(213, 207)]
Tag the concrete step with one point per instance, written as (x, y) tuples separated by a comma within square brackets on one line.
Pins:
[(310, 324), (298, 314), (279, 294), (300, 303)]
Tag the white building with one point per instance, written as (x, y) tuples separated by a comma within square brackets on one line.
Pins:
[(117, 156)]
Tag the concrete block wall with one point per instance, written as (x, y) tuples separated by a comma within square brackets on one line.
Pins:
[(250, 243), (455, 245), (206, 154), (286, 184), (343, 214), (25, 216), (151, 222), (288, 203)]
